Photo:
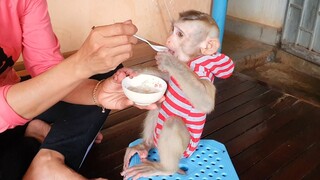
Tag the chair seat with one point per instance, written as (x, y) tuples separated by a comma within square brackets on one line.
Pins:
[(210, 161)]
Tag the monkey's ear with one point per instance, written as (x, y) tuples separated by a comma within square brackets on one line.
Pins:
[(210, 46)]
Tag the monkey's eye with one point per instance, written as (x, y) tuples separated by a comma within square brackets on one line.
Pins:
[(179, 34)]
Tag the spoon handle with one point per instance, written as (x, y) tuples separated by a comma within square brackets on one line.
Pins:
[(155, 47), (142, 39)]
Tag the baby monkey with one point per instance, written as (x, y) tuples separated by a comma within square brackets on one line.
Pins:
[(191, 64)]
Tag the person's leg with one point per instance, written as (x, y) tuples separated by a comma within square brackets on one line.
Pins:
[(49, 164), (74, 129), (72, 134), (37, 129), (16, 153)]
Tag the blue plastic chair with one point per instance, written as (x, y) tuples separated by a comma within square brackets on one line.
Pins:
[(210, 161)]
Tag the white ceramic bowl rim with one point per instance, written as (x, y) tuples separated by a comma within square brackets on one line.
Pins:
[(148, 81)]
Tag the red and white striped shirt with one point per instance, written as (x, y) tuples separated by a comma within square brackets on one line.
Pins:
[(176, 104)]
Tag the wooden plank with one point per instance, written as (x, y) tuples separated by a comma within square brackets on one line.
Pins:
[(224, 107), (117, 117), (259, 132), (249, 157), (120, 135), (228, 93), (249, 121), (285, 153), (222, 84), (110, 166), (151, 63), (239, 112), (301, 166), (19, 66), (314, 174)]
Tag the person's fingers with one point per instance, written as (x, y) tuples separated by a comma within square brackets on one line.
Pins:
[(116, 29), (98, 138), (128, 71), (107, 59), (121, 58), (120, 76), (123, 73), (115, 51), (128, 21), (114, 41)]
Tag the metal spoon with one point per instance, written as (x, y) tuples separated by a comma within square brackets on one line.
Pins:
[(155, 47)]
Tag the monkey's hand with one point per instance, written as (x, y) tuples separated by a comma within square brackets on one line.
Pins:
[(142, 151), (145, 169), (189, 82), (168, 63), (165, 61)]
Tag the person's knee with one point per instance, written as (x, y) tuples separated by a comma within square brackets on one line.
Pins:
[(43, 163), (49, 164), (44, 159), (47, 155)]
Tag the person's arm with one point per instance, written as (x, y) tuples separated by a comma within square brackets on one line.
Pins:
[(41, 49), (32, 97), (83, 93), (104, 49), (25, 100)]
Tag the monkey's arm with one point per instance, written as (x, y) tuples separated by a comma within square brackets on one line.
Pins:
[(152, 71), (200, 92)]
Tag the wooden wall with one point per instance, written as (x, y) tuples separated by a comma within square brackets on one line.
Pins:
[(72, 19)]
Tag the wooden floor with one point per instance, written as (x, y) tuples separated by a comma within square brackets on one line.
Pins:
[(268, 134)]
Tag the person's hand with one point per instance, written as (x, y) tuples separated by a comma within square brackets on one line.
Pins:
[(111, 95), (105, 48)]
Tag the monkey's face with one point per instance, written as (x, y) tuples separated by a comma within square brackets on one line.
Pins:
[(185, 39)]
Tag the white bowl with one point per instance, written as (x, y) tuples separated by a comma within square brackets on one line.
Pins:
[(144, 89)]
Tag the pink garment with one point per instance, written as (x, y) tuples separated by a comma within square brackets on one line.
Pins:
[(25, 28), (176, 103)]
